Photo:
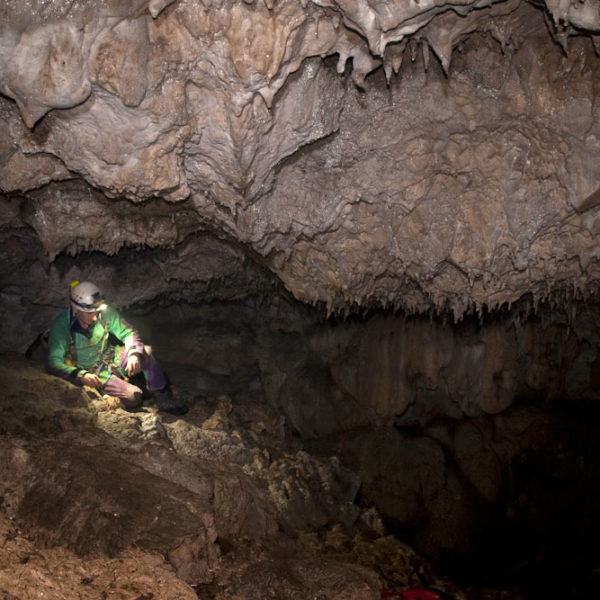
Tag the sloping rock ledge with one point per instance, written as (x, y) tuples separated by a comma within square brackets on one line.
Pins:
[(100, 502)]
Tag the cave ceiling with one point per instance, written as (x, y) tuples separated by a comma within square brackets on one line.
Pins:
[(410, 154)]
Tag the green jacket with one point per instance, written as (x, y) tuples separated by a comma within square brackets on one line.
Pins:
[(76, 351)]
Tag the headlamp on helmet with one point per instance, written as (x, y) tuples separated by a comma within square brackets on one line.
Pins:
[(86, 297)]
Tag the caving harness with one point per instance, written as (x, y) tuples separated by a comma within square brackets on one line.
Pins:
[(106, 351)]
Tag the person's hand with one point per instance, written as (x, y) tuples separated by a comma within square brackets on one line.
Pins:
[(133, 365), (92, 380)]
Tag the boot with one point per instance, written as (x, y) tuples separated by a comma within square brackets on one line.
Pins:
[(166, 402)]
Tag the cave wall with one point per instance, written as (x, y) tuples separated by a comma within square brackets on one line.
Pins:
[(328, 376), (351, 156), (455, 432), (405, 155), (378, 218)]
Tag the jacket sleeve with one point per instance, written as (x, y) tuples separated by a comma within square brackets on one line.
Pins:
[(125, 332), (59, 340)]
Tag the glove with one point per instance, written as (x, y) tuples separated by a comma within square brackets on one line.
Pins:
[(133, 365)]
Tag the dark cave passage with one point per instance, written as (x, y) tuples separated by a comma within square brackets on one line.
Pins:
[(539, 537)]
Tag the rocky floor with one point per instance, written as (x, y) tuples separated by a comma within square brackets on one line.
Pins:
[(98, 502)]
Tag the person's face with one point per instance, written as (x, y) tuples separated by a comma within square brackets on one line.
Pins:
[(87, 318)]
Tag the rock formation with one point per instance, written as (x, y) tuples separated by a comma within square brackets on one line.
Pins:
[(99, 502), (413, 155), (364, 229)]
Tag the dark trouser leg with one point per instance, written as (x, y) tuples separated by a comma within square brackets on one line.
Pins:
[(153, 373), (130, 395), (155, 376), (157, 382)]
